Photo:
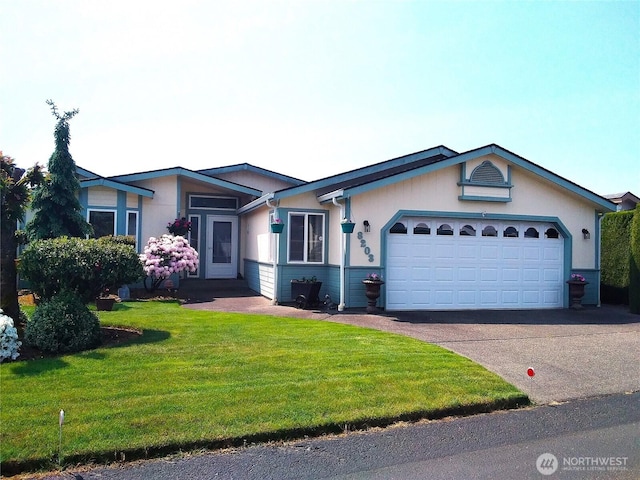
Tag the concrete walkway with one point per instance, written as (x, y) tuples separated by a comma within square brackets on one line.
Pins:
[(575, 353)]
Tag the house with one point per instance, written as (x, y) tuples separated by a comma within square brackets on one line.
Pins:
[(482, 229), (624, 201)]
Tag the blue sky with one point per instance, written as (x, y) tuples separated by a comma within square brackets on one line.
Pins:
[(312, 88)]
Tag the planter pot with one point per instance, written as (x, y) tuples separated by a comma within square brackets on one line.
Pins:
[(305, 293), (372, 292), (347, 227), (105, 304), (277, 227), (576, 292)]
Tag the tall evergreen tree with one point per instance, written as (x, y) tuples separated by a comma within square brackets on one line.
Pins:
[(15, 187), (55, 202)]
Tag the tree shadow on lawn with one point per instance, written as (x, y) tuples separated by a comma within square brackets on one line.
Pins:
[(36, 362)]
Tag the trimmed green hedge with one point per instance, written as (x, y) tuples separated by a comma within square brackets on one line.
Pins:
[(84, 266), (634, 271), (616, 254)]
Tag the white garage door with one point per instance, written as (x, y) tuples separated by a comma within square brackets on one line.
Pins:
[(451, 264)]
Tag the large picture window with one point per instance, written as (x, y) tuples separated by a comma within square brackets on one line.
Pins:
[(306, 237), (103, 222)]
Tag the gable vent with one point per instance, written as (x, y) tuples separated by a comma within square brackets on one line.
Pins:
[(487, 172)]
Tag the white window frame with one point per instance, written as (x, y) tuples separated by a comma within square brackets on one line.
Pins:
[(306, 237), (137, 226), (110, 210)]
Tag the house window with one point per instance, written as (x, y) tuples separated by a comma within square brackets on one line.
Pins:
[(306, 237), (422, 229), (551, 233), (467, 231), (132, 225), (531, 233), (103, 222), (399, 227), (194, 237), (489, 231), (445, 229), (210, 202), (510, 232)]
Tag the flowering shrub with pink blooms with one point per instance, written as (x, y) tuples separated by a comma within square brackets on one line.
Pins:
[(167, 255)]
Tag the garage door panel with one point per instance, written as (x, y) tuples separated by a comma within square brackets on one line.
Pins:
[(464, 272), (510, 297), (444, 298), (444, 274), (489, 252), (530, 275), (510, 275), (467, 297), (489, 298), (488, 274), (467, 274)]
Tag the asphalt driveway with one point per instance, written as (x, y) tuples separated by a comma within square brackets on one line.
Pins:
[(574, 353)]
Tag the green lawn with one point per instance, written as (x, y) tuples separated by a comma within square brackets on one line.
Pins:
[(205, 379)]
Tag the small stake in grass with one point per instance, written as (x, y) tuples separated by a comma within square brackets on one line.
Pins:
[(60, 423)]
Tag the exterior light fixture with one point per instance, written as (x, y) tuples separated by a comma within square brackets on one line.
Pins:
[(367, 226), (585, 234)]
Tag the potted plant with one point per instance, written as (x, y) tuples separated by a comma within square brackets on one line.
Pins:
[(277, 225), (105, 301), (347, 225), (305, 292), (372, 285), (576, 290), (180, 226)]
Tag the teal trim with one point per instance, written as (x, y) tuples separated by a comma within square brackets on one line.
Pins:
[(83, 198), (179, 203), (183, 172), (355, 174), (601, 202), (103, 182), (347, 249), (476, 198), (247, 167), (562, 229), (121, 216), (463, 173)]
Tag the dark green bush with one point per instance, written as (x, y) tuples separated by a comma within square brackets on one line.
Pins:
[(634, 272), (84, 266), (616, 254), (63, 324)]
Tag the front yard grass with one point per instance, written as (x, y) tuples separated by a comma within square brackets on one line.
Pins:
[(198, 379)]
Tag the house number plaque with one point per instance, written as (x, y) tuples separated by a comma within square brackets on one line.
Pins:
[(367, 250)]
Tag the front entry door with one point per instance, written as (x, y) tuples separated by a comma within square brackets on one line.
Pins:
[(222, 246)]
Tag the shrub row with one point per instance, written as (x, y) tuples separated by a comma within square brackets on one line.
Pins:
[(86, 267), (616, 254), (634, 273)]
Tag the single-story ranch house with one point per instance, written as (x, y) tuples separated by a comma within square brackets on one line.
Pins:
[(483, 229)]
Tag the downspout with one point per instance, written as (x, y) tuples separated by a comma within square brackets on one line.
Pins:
[(342, 242), (276, 255)]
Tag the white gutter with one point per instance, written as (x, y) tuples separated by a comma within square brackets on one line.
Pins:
[(276, 255), (342, 253)]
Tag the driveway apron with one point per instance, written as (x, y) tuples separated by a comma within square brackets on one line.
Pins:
[(574, 353)]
